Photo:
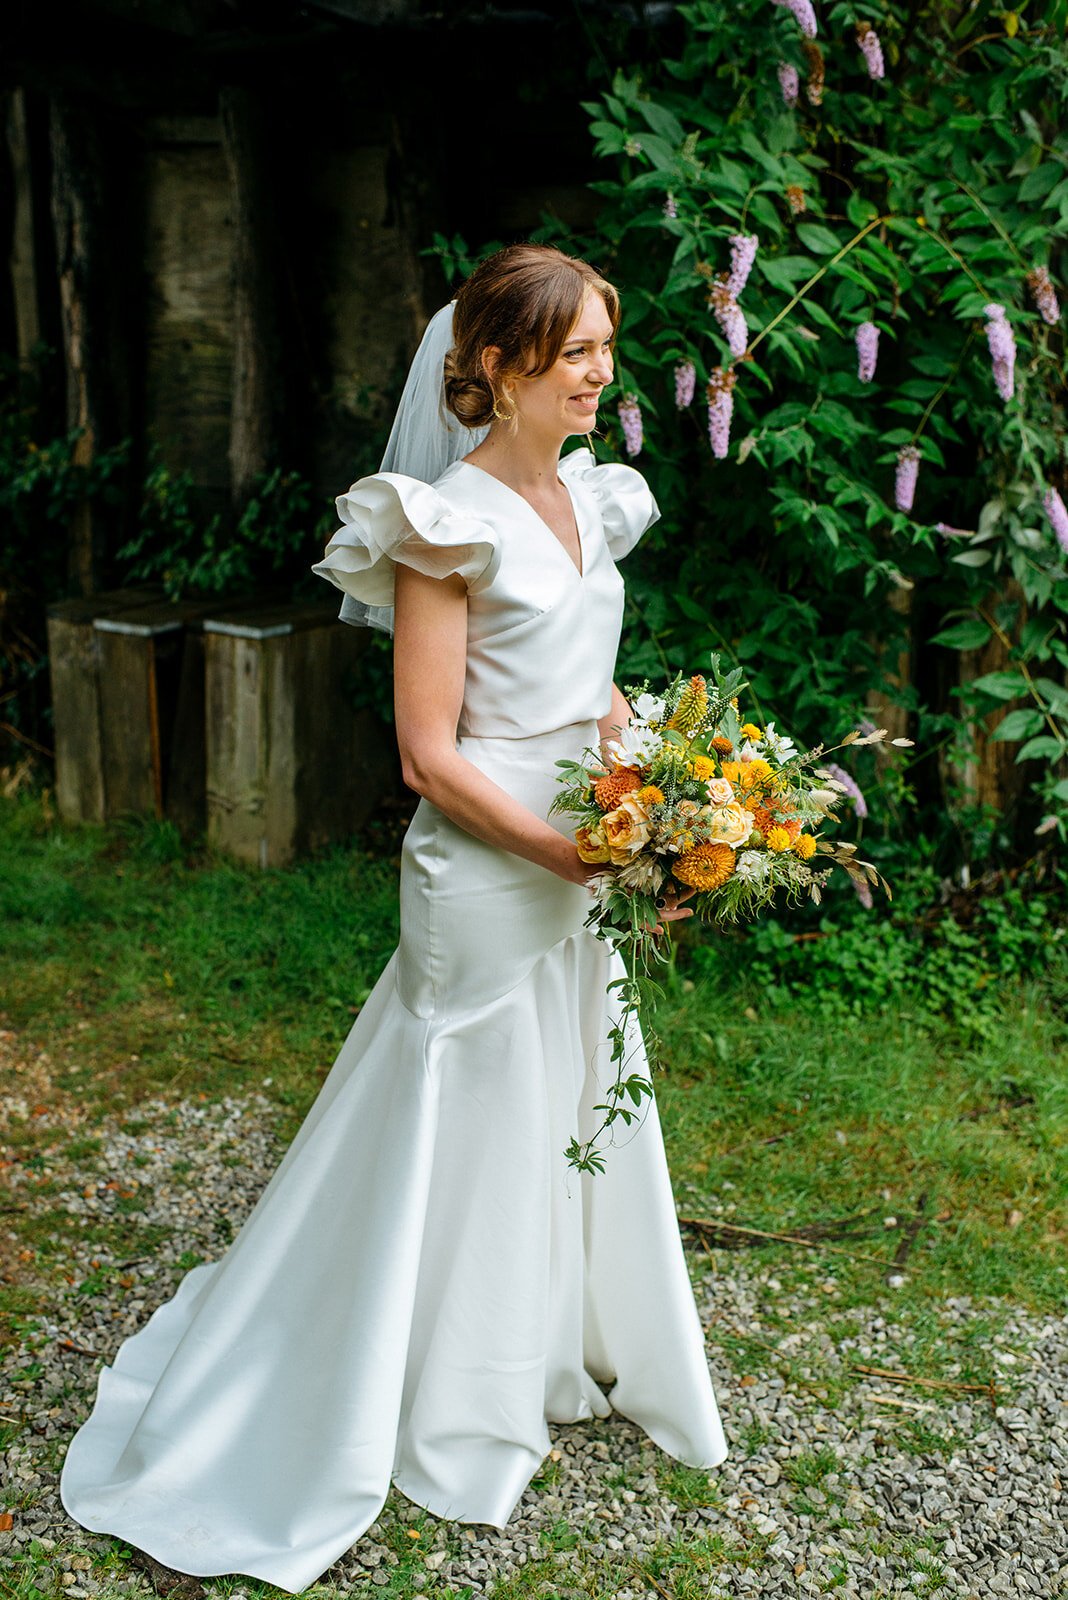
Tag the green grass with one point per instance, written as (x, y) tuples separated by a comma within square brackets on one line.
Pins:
[(142, 971)]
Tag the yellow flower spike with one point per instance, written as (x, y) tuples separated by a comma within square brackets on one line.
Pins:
[(693, 703)]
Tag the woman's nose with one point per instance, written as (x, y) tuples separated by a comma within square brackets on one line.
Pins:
[(601, 370)]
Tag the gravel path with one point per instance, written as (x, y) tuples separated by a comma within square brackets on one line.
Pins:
[(837, 1482)]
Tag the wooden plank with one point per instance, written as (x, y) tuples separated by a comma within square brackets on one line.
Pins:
[(74, 668)]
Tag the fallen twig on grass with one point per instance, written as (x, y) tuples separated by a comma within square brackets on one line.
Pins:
[(647, 1577), (73, 1349), (721, 1233), (926, 1383), (912, 1228)]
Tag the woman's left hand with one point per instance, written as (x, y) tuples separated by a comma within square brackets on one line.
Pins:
[(669, 904)]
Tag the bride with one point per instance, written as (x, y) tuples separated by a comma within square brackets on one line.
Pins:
[(425, 1283)]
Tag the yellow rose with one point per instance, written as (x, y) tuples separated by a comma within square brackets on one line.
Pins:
[(720, 792), (625, 829), (729, 824), (591, 844)]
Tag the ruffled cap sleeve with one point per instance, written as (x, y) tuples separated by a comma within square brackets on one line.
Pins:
[(389, 518), (623, 497)]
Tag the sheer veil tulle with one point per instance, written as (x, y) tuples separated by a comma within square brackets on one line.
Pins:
[(424, 440)]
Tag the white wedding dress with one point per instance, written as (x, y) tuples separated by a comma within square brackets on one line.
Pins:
[(425, 1282)]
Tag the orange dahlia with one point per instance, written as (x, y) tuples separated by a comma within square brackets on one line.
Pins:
[(706, 866), (609, 790), (766, 819)]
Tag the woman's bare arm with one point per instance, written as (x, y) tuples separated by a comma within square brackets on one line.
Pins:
[(430, 657), (618, 716)]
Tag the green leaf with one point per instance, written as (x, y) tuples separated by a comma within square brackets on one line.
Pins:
[(1001, 685), (821, 241), (968, 635), (1018, 725), (1044, 746), (1040, 183)]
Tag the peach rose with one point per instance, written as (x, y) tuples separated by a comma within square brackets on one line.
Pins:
[(592, 845), (719, 792), (730, 824), (626, 829)]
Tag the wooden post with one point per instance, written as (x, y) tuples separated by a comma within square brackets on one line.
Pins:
[(290, 765), (257, 352), (74, 663)]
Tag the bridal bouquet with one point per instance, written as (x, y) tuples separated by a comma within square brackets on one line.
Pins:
[(691, 794)]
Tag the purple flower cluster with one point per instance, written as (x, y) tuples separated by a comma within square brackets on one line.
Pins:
[(630, 416), (789, 83), (849, 783), (1002, 348), (803, 11), (1045, 296), (720, 409), (743, 254), (867, 337), (1055, 510), (685, 383), (863, 891), (670, 208), (908, 470), (871, 49), (731, 319)]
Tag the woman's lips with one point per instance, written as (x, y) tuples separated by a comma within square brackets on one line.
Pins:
[(588, 402)]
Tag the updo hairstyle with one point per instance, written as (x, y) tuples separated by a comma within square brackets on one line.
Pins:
[(525, 299)]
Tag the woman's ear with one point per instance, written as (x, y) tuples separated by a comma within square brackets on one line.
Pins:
[(491, 360)]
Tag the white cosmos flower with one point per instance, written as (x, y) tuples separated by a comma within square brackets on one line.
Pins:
[(781, 747), (649, 708), (636, 746), (751, 866)]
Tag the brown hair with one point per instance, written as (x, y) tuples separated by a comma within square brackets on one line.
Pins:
[(525, 300)]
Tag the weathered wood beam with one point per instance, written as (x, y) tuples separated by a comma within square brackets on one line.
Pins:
[(255, 404), (82, 259)]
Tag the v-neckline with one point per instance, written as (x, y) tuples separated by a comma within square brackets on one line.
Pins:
[(579, 571)]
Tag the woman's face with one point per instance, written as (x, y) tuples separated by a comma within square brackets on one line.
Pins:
[(564, 400)]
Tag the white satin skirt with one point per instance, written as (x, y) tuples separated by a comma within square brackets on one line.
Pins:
[(424, 1283)]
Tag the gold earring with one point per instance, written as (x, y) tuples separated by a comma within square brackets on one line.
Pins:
[(502, 416)]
